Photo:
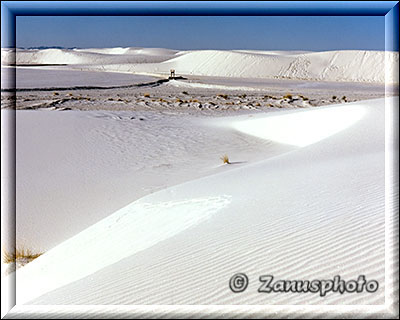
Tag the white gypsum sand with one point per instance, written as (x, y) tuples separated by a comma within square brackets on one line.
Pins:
[(132, 78), (127, 195), (345, 65), (67, 161), (46, 77), (311, 213)]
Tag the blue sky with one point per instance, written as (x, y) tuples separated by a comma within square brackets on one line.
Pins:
[(204, 32)]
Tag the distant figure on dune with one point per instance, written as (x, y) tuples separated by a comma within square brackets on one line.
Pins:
[(172, 73)]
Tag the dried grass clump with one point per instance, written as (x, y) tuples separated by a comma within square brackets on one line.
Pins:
[(267, 96), (146, 95), (225, 159), (225, 96), (20, 254), (288, 96)]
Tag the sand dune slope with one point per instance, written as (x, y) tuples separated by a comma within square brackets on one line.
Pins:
[(360, 66), (101, 56), (313, 213), (347, 66)]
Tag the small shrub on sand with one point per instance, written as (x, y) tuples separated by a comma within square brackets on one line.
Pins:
[(146, 95), (334, 97), (288, 96), (225, 96), (184, 92), (20, 254), (344, 98), (225, 159), (267, 96), (56, 93)]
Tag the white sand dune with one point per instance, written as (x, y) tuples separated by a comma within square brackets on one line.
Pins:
[(59, 77), (88, 56), (132, 51), (344, 66), (66, 161), (359, 66), (312, 213), (279, 52), (310, 127)]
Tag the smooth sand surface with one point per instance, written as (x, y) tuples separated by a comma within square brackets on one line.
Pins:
[(67, 161), (310, 213)]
